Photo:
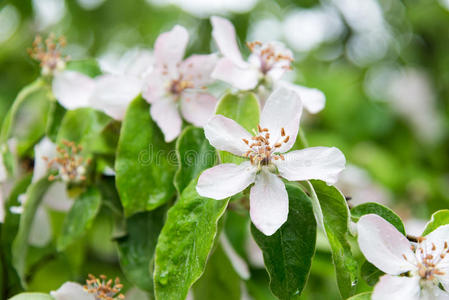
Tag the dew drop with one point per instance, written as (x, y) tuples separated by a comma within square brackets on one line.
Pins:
[(163, 278)]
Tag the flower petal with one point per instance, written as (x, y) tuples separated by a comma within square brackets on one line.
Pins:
[(227, 135), (282, 110), (113, 93), (439, 238), (155, 86), (225, 180), (41, 232), (242, 78), (3, 171), (396, 288), (198, 69), (57, 198), (71, 291), (223, 33), (313, 99), (433, 292), (72, 89), (384, 246), (321, 163), (45, 148), (268, 203), (170, 47), (165, 113), (198, 108), (238, 263)]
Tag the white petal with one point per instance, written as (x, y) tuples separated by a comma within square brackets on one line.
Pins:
[(198, 108), (323, 163), (268, 203), (56, 197), (3, 172), (45, 148), (137, 62), (438, 239), (384, 246), (313, 99), (227, 135), (396, 288), (433, 292), (282, 110), (223, 33), (165, 113), (113, 93), (72, 89), (197, 69), (237, 262), (225, 180), (71, 291), (41, 233), (170, 47), (242, 78), (155, 86)]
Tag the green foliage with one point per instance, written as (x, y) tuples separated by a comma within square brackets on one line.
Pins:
[(438, 219), (370, 273), (56, 115), (145, 164), (289, 251), (362, 296), (80, 217), (185, 243), (195, 154), (378, 209), (88, 67)]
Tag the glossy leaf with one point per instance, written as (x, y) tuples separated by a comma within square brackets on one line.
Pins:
[(32, 296), (80, 217), (219, 281), (438, 219), (185, 242), (145, 164), (362, 296), (378, 209), (289, 251), (34, 197), (195, 154), (56, 114), (136, 249), (335, 214), (242, 108), (370, 273)]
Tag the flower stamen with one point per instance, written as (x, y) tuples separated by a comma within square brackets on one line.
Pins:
[(49, 53), (101, 288)]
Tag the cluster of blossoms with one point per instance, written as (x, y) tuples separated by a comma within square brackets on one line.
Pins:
[(49, 53)]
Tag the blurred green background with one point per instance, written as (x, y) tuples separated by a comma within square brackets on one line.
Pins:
[(382, 64)]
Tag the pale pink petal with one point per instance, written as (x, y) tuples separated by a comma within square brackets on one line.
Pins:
[(323, 163), (44, 149), (397, 288), (155, 86), (166, 114), (282, 110), (227, 135), (3, 171), (72, 89), (197, 69), (224, 35), (225, 180), (71, 291), (245, 78), (313, 99), (433, 292), (198, 108), (438, 239), (384, 246), (268, 202), (113, 93), (57, 198), (170, 47)]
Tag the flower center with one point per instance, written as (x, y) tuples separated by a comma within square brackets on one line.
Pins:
[(104, 289), (261, 151), (270, 56), (70, 166), (177, 86), (49, 53)]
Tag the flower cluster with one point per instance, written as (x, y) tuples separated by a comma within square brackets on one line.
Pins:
[(104, 289), (49, 53)]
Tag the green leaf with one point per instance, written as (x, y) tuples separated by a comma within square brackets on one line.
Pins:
[(136, 249), (370, 273), (362, 296), (219, 281), (80, 217), (27, 117), (289, 251), (301, 141), (34, 197), (195, 154), (56, 114), (438, 219), (242, 108), (335, 214), (88, 67), (32, 296), (380, 210), (145, 164), (185, 242)]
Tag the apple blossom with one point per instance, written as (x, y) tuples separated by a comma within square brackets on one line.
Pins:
[(414, 271), (279, 124), (265, 66), (49, 54), (176, 87)]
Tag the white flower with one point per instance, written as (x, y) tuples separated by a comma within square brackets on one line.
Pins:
[(267, 63), (110, 93), (71, 291), (413, 270), (176, 85), (278, 129)]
